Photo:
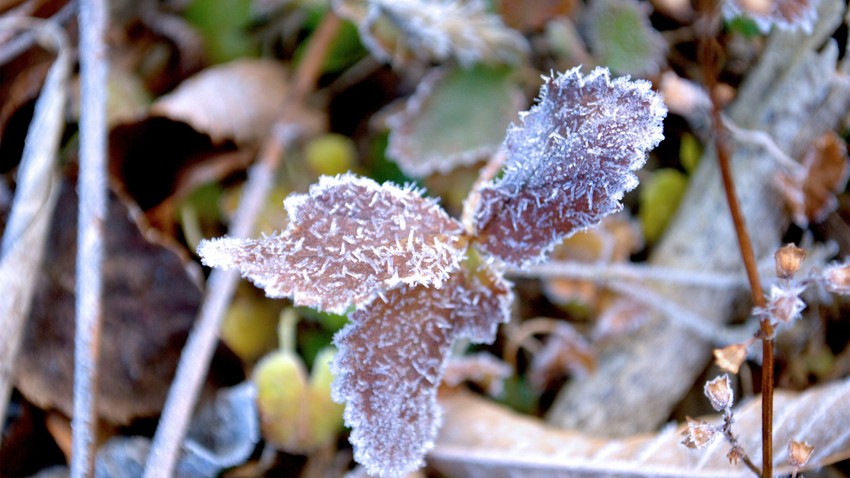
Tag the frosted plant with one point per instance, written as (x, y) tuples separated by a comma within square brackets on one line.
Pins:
[(418, 281), (569, 163), (785, 14), (439, 30), (356, 236)]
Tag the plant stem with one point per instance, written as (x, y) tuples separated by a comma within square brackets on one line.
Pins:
[(756, 291), (221, 285), (93, 18), (710, 52), (28, 224)]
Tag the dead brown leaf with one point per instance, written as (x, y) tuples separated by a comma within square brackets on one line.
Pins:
[(238, 101), (480, 438), (527, 15), (150, 302), (810, 191)]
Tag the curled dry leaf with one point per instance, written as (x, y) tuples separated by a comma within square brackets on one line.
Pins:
[(481, 368), (463, 30), (560, 178), (456, 117), (392, 358), (565, 351), (238, 101), (346, 241), (621, 317), (480, 438), (785, 14), (684, 97), (810, 191)]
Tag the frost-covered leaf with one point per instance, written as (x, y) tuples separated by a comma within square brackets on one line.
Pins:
[(392, 358), (621, 37), (347, 240), (569, 162), (810, 191), (398, 30), (785, 14), (456, 117), (479, 438)]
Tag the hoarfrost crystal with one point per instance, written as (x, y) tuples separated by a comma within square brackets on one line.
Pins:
[(347, 240), (569, 162)]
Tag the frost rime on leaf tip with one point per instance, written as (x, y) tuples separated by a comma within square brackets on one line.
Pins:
[(570, 160), (347, 240), (393, 355)]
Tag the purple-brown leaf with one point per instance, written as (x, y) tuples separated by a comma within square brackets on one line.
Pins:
[(392, 358), (347, 240), (569, 162)]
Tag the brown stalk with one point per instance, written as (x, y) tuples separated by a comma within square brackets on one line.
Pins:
[(221, 285), (709, 59)]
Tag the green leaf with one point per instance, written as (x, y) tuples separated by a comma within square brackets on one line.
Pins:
[(659, 199), (456, 117), (222, 24), (621, 38)]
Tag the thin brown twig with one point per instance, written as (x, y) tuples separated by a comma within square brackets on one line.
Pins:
[(93, 18), (221, 285), (736, 445), (710, 54)]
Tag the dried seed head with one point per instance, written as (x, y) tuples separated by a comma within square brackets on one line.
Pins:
[(837, 278), (799, 453), (698, 434), (719, 391), (788, 260), (735, 455), (731, 357), (784, 304)]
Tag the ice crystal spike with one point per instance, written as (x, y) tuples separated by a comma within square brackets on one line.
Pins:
[(392, 357), (347, 240), (570, 161)]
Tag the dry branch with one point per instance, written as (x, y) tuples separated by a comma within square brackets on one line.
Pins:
[(93, 18), (794, 94), (29, 221)]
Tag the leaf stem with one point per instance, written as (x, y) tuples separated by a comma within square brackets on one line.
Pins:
[(221, 285), (710, 53)]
